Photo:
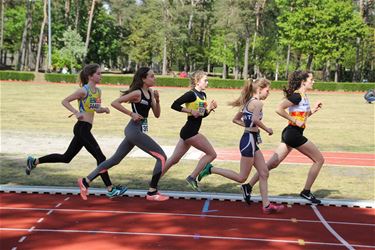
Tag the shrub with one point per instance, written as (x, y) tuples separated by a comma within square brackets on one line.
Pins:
[(16, 75)]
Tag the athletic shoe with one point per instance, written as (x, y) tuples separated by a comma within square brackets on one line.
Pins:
[(157, 197), (246, 192), (193, 183), (273, 208), (310, 197), (116, 191), (205, 171), (30, 165), (82, 189)]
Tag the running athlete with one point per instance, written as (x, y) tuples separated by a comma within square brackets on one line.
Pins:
[(250, 117), (142, 98), (297, 103), (89, 102), (196, 107)]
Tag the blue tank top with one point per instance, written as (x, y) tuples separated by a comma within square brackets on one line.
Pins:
[(247, 115)]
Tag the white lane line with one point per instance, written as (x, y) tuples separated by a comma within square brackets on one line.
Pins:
[(40, 220), (58, 205), (31, 229), (67, 198), (22, 239), (14, 248), (329, 228), (49, 211), (187, 215), (194, 236)]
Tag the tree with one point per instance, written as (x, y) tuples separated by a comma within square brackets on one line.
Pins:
[(72, 52), (41, 35)]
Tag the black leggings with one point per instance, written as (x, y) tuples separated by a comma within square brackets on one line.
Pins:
[(82, 138)]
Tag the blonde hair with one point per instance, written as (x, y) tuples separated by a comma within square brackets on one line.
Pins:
[(248, 91), (194, 79)]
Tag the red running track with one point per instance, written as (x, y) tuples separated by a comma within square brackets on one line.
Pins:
[(42, 221), (295, 157)]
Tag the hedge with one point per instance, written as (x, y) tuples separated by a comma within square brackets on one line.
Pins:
[(213, 82), (14, 75)]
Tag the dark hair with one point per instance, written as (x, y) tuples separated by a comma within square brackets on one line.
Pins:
[(87, 71), (137, 80), (294, 81)]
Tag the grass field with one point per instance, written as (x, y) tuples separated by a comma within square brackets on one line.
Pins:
[(33, 111)]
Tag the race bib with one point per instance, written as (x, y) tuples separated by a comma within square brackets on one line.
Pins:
[(202, 108), (144, 125)]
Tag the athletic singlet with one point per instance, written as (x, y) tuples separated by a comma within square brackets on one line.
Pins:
[(247, 115), (301, 107), (91, 102), (200, 104), (143, 107)]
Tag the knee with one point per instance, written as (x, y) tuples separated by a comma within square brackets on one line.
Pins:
[(320, 160), (263, 174), (242, 179), (212, 156), (272, 165)]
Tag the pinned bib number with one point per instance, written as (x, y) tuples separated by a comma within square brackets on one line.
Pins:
[(144, 125), (202, 108)]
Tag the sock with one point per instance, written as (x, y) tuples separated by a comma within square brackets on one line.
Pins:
[(152, 193)]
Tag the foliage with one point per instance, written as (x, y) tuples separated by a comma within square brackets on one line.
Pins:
[(72, 53), (14, 75)]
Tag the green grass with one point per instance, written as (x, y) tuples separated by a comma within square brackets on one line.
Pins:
[(346, 123)]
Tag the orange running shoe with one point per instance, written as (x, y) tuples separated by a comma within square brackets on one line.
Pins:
[(157, 197), (82, 188)]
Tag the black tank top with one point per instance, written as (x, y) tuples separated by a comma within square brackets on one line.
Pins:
[(142, 107)]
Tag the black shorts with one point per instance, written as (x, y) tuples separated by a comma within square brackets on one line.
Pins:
[(189, 130), (293, 136)]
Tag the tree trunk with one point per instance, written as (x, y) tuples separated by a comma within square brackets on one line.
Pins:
[(41, 36), (287, 63), (309, 61), (326, 72), (298, 63), (277, 71), (237, 63), (77, 15), (89, 26), (2, 6), (164, 72), (246, 59), (224, 75), (67, 12), (22, 51), (356, 66), (337, 71)]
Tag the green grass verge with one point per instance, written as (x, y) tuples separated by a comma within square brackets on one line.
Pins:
[(354, 182)]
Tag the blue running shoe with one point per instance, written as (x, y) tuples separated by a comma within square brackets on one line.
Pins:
[(116, 191), (30, 165)]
